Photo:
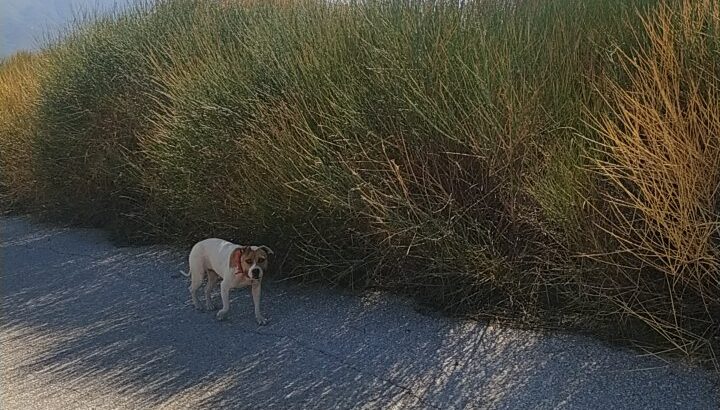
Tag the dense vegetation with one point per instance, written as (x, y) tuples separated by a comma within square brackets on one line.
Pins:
[(556, 163)]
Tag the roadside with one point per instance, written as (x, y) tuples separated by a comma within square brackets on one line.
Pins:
[(90, 325)]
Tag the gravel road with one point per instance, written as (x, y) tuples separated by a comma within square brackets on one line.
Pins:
[(88, 325)]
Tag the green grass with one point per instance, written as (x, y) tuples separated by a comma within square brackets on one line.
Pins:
[(471, 156), (19, 90)]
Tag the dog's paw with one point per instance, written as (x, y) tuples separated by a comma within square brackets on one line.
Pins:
[(262, 321), (209, 306), (220, 315)]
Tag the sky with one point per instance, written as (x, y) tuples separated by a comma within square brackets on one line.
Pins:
[(25, 23)]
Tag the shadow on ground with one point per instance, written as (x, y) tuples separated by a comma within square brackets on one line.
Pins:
[(89, 325)]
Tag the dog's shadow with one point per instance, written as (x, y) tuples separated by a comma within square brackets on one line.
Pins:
[(119, 321)]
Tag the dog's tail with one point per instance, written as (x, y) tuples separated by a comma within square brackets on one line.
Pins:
[(182, 272)]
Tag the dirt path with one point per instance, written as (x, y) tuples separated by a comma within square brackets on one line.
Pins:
[(87, 325)]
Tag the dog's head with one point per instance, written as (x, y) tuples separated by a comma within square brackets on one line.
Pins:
[(252, 260)]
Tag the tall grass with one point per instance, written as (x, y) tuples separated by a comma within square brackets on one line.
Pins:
[(660, 157), (480, 157), (93, 107), (19, 93)]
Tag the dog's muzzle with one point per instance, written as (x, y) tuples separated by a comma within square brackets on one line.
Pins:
[(255, 273)]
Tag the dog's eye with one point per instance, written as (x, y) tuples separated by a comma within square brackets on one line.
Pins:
[(261, 260), (248, 261)]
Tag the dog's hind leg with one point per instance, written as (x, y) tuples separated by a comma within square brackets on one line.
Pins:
[(197, 274), (211, 283), (194, 286)]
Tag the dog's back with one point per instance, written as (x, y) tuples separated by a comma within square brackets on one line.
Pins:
[(211, 253)]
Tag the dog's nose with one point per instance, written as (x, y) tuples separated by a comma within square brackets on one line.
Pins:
[(255, 272)]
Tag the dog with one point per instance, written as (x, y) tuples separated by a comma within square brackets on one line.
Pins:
[(237, 266)]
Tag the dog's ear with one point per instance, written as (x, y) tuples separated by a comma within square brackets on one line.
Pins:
[(266, 249), (235, 258)]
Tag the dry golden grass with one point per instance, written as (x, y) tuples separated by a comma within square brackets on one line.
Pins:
[(660, 157)]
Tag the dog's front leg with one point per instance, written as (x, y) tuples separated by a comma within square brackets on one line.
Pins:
[(261, 320), (225, 295)]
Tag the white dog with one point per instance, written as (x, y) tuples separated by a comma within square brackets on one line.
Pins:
[(238, 266)]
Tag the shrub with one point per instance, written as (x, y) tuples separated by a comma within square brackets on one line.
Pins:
[(659, 158), (19, 89)]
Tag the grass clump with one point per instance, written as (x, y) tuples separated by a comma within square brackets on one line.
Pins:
[(19, 92), (489, 158), (659, 158), (97, 97)]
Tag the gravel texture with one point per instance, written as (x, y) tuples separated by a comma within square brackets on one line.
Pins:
[(88, 325)]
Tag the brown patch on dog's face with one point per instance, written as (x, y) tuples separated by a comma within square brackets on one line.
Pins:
[(252, 260)]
